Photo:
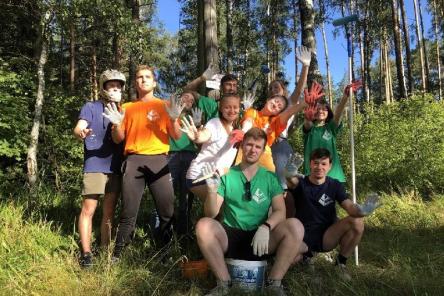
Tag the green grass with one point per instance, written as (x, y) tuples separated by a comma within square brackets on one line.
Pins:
[(401, 254)]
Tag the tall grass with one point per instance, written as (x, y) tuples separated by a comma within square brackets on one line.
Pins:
[(401, 254)]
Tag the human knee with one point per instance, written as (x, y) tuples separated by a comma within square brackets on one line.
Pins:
[(296, 228), (204, 228), (356, 224), (87, 210)]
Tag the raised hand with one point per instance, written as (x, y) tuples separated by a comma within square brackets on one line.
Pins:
[(236, 137), (196, 114), (315, 93), (292, 166), (370, 204), (113, 114), (85, 133), (212, 177), (303, 54), (189, 128), (355, 85), (260, 241), (175, 108), (248, 100), (310, 112)]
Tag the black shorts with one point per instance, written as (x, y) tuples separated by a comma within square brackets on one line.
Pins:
[(239, 244), (314, 236)]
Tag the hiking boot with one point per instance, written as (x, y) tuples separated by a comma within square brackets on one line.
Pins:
[(222, 288), (275, 290), (341, 271), (85, 260)]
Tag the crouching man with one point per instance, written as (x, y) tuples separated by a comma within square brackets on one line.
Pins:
[(243, 197), (314, 205)]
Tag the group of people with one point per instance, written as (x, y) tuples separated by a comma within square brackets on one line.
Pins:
[(233, 157)]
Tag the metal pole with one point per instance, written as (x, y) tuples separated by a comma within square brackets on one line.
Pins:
[(352, 138)]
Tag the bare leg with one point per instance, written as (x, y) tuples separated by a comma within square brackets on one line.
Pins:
[(109, 205), (213, 243), (286, 239), (89, 206), (347, 232)]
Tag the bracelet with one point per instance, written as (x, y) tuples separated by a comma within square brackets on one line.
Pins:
[(267, 224)]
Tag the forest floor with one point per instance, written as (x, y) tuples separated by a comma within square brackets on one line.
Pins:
[(401, 254)]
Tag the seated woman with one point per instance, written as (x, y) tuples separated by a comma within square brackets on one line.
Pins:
[(217, 148)]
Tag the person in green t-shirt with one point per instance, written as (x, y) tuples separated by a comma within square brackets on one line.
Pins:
[(244, 196), (321, 127)]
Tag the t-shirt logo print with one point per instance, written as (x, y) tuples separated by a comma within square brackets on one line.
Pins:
[(327, 136), (325, 200), (153, 115), (258, 196)]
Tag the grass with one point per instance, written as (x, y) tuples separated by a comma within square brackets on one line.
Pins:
[(401, 254)]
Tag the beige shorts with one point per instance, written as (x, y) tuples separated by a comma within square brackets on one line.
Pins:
[(100, 183)]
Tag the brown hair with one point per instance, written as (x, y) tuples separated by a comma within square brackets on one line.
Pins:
[(145, 67), (256, 133), (281, 83)]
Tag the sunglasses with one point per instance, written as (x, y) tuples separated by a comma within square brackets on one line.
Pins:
[(248, 191)]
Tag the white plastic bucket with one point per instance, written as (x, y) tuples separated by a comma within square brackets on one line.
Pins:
[(249, 275)]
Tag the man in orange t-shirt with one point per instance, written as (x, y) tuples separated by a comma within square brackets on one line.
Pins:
[(145, 125)]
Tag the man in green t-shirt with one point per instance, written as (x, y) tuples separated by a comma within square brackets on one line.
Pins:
[(244, 196)]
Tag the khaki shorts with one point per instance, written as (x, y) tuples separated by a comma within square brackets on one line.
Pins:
[(100, 183)]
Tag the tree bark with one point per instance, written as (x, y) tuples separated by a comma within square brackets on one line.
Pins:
[(307, 14), (408, 54), (72, 57), (424, 48), (229, 13), (419, 47), (295, 29), (31, 159), (327, 66), (135, 16), (438, 58), (210, 26), (398, 51), (93, 73), (117, 50)]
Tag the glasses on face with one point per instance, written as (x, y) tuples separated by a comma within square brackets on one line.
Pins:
[(248, 191)]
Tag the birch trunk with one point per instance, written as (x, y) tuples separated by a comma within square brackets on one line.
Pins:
[(398, 50), (419, 47), (31, 159), (408, 54)]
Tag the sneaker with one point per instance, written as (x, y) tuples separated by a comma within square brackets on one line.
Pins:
[(341, 270), (274, 290), (85, 260), (222, 288)]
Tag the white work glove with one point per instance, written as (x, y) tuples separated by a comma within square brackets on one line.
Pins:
[(189, 128), (260, 241), (196, 114), (292, 166), (175, 108), (370, 204), (248, 100), (303, 54), (113, 114), (209, 172)]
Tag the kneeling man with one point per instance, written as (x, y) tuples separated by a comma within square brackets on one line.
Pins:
[(243, 197), (314, 205)]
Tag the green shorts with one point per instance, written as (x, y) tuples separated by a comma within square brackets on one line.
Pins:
[(100, 183)]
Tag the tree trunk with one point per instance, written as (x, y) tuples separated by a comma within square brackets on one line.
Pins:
[(307, 14), (229, 13), (135, 16), (31, 159), (363, 70), (295, 29), (327, 66), (210, 26), (72, 57), (367, 52), (424, 48), (398, 51), (438, 58), (117, 50), (93, 73), (408, 54), (381, 69), (419, 47)]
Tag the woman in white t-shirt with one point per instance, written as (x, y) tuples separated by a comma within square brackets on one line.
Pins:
[(217, 148)]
